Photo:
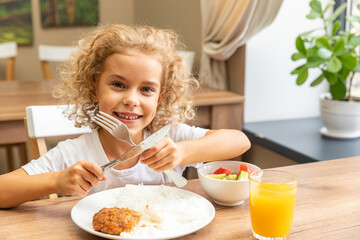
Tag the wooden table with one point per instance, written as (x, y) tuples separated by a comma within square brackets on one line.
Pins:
[(327, 207), (14, 97), (212, 106)]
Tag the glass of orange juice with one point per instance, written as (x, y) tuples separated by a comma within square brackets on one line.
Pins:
[(272, 202)]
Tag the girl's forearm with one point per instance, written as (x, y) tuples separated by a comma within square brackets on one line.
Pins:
[(18, 187), (215, 145)]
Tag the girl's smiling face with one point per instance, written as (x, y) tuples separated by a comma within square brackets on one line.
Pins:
[(129, 89)]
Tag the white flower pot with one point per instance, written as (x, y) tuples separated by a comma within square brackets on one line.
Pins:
[(341, 119)]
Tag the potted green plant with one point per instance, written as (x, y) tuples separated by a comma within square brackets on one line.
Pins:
[(336, 54)]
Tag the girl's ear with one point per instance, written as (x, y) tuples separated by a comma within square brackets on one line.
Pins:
[(94, 98), (160, 97)]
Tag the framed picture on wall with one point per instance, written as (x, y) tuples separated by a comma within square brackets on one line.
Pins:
[(62, 13), (15, 22)]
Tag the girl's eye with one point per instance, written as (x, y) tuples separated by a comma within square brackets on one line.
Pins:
[(147, 89), (118, 85)]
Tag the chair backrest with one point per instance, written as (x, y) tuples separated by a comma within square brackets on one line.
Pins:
[(8, 51), (48, 53), (188, 57), (48, 121)]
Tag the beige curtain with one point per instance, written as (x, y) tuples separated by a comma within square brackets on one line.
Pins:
[(226, 26)]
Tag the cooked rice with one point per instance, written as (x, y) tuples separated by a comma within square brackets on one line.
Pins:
[(165, 210)]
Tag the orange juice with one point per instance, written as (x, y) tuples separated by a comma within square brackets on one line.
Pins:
[(272, 208)]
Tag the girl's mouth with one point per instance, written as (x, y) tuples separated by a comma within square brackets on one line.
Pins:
[(127, 117)]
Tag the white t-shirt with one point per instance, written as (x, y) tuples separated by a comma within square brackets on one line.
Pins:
[(88, 147)]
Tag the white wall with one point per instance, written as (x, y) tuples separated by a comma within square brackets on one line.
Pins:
[(271, 92)]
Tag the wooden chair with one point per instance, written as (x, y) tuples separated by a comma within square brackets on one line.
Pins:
[(48, 122), (48, 53), (8, 51)]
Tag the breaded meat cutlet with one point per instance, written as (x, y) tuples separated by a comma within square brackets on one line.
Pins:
[(116, 220)]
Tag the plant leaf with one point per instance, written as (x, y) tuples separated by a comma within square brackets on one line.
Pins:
[(339, 46), (334, 65), (343, 74), (332, 3), (298, 69), (303, 75), (357, 68), (315, 6), (318, 80), (323, 43), (297, 56), (324, 53), (337, 13), (355, 40), (330, 77), (305, 34), (313, 15), (348, 61), (338, 90), (336, 26), (300, 45), (314, 61), (353, 18)]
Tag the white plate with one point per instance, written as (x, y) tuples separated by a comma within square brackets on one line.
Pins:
[(82, 213)]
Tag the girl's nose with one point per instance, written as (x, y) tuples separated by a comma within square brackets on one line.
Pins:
[(131, 98)]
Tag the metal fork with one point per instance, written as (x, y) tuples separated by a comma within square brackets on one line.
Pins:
[(121, 132), (114, 126)]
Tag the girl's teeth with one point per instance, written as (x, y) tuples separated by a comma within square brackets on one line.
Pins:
[(127, 117)]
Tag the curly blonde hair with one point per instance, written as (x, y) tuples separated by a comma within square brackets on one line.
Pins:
[(80, 74)]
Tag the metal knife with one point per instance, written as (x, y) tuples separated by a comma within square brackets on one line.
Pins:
[(147, 143)]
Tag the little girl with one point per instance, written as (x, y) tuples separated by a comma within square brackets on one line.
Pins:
[(133, 74)]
